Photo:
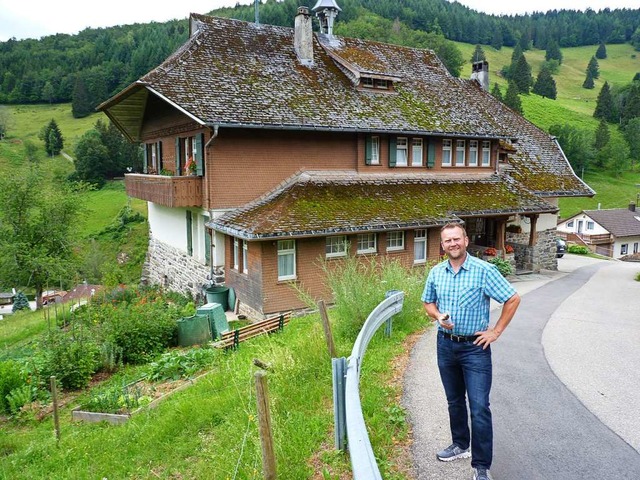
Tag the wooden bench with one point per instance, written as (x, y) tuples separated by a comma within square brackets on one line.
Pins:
[(232, 338)]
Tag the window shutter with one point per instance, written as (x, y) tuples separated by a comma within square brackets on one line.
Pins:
[(189, 233), (147, 159), (178, 159), (431, 154), (159, 150), (207, 242), (200, 154), (368, 148), (393, 151)]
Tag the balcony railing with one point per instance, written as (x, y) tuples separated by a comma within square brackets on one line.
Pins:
[(164, 190)]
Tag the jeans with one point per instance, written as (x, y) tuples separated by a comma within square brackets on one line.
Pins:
[(465, 370)]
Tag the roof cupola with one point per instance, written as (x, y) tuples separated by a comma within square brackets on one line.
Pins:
[(326, 11)]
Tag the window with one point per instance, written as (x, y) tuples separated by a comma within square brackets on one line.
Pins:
[(375, 150), (416, 152), (189, 233), (486, 153), (366, 82), (473, 153), (590, 225), (367, 243), (377, 83), (245, 256), (635, 247), (401, 157), (236, 254), (336, 246), (460, 153), (420, 246), (624, 249), (286, 259), (395, 241), (570, 224), (446, 153), (383, 84)]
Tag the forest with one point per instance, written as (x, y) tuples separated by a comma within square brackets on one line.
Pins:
[(89, 67)]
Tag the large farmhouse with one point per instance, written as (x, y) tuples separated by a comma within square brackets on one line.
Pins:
[(270, 149)]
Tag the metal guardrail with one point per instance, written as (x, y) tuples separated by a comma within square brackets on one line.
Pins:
[(346, 391)]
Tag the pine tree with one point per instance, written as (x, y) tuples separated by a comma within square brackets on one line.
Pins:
[(52, 138), (604, 104), (553, 52), (496, 92), (602, 135), (80, 100), (601, 53), (631, 108), (521, 75), (478, 55), (593, 68), (511, 99), (496, 40), (545, 85), (20, 302), (588, 82)]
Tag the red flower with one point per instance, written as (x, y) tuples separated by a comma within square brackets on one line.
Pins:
[(491, 252), (509, 249)]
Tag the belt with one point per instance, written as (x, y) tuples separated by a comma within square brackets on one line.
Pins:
[(460, 338)]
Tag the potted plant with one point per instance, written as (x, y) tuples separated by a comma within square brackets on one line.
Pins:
[(490, 252), (190, 166), (509, 252)]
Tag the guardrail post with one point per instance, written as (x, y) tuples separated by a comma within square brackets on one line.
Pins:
[(388, 327), (339, 367)]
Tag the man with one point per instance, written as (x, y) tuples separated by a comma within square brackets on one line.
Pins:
[(457, 295)]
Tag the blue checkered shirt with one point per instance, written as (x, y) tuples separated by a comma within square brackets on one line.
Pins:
[(466, 295)]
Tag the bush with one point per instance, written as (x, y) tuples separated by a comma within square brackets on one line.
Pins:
[(578, 249), (177, 364), (20, 302), (10, 379), (503, 266), (638, 277)]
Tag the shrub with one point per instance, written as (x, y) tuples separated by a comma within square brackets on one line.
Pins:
[(19, 397), (10, 379), (579, 249), (503, 266), (638, 277), (177, 364), (20, 302)]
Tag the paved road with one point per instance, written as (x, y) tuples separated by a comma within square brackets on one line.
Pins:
[(566, 400)]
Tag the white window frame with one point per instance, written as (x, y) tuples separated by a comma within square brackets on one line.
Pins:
[(336, 246), (591, 225), (570, 224), (245, 256), (446, 152), (402, 151), (460, 153), (624, 249), (420, 245), (473, 153), (486, 153), (416, 152), (236, 253), (367, 243), (395, 241), (375, 150), (635, 247), (287, 248)]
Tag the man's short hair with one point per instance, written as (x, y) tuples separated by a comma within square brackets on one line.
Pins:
[(449, 225)]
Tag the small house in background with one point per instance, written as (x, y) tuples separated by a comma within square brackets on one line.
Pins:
[(611, 232), (82, 293), (310, 147), (6, 298)]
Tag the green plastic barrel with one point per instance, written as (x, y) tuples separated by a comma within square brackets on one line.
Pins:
[(218, 295)]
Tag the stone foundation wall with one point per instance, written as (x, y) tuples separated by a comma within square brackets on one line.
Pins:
[(540, 257), (174, 270)]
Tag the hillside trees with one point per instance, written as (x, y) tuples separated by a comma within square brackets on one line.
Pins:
[(553, 52), (37, 230), (576, 145), (601, 53), (5, 121), (605, 107), (511, 98), (632, 134), (478, 55), (593, 68), (602, 135)]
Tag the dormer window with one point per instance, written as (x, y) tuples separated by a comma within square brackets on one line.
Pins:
[(375, 83)]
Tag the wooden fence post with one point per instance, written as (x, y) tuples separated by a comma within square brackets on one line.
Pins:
[(264, 422), (54, 398), (327, 329)]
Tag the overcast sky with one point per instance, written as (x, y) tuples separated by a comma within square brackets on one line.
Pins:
[(37, 18)]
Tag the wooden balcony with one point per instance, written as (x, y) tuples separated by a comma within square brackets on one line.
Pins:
[(164, 190), (600, 239)]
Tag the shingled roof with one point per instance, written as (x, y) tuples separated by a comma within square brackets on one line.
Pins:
[(329, 203), (620, 222), (232, 73)]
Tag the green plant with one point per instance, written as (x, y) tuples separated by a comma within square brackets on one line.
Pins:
[(18, 397), (638, 277), (578, 249), (503, 266), (10, 379), (175, 365), (116, 399), (20, 302)]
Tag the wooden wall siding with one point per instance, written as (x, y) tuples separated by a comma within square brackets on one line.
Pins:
[(164, 190)]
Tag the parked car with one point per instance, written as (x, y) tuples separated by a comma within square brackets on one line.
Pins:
[(561, 247)]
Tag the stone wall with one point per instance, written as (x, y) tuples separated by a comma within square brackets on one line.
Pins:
[(174, 270), (542, 256)]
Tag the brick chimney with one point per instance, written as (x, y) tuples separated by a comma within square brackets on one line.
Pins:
[(480, 73), (303, 36)]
